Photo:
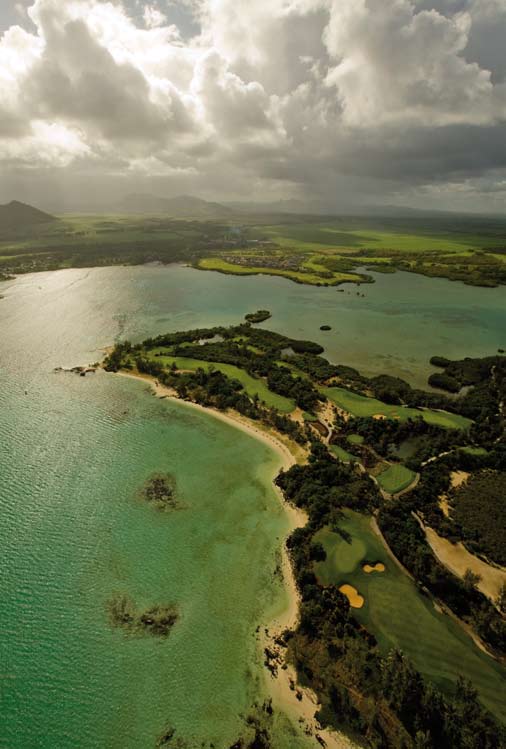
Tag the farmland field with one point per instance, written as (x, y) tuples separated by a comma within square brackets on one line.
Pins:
[(316, 237), (401, 617)]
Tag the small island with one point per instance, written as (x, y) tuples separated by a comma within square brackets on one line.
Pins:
[(259, 316), (325, 327)]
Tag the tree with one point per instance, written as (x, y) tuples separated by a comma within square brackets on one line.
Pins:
[(423, 740), (471, 579), (317, 553), (500, 601)]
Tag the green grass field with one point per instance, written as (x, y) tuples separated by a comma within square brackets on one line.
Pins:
[(328, 235), (401, 617), (223, 266), (355, 439), (396, 478), (251, 385), (360, 405), (479, 451)]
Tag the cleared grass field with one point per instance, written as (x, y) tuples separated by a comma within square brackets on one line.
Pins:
[(360, 405), (317, 236), (250, 384), (401, 617), (396, 478)]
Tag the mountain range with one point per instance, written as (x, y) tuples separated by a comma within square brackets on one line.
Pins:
[(182, 205)]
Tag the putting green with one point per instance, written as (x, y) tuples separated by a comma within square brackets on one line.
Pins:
[(342, 557), (396, 478)]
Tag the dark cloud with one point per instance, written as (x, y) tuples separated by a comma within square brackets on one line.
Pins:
[(228, 97)]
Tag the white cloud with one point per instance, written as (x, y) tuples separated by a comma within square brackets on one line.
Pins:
[(398, 65), (46, 145), (153, 17)]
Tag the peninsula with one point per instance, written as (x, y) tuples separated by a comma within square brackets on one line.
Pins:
[(370, 462)]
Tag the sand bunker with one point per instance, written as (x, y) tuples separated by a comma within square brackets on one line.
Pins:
[(379, 416), (379, 567), (458, 478), (353, 596), (458, 560), (444, 505)]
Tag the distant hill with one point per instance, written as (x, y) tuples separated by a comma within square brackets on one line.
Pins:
[(299, 207), (17, 216), (312, 208), (183, 205)]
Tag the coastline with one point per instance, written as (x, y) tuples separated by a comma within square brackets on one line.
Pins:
[(298, 703), (288, 457)]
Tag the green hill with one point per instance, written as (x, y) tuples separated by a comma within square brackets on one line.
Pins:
[(16, 216)]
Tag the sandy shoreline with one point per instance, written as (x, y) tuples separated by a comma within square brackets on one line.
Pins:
[(236, 420), (298, 704)]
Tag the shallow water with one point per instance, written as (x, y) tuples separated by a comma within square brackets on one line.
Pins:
[(74, 452)]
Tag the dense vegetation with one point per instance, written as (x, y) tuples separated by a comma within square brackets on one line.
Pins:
[(479, 514), (306, 249), (260, 315), (213, 388), (258, 352), (91, 241), (383, 698)]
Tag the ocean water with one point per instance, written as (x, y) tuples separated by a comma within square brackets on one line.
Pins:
[(75, 451), (73, 534)]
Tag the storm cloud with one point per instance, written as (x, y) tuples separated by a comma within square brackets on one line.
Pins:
[(400, 99)]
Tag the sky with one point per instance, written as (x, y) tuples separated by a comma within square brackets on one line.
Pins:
[(336, 103)]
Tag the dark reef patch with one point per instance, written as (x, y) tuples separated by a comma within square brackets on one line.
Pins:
[(160, 492), (156, 621)]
